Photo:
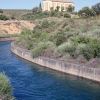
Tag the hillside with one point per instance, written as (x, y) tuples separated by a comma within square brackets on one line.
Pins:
[(75, 40), (14, 27), (16, 13)]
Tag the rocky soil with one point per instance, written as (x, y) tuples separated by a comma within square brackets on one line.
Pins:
[(14, 27)]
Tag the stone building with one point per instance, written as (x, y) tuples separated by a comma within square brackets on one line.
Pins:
[(48, 4)]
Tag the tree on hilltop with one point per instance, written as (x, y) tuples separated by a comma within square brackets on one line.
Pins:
[(96, 8), (87, 12), (70, 8)]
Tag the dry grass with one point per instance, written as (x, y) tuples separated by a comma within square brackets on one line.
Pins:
[(15, 13)]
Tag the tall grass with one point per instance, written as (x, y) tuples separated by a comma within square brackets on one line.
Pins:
[(5, 87)]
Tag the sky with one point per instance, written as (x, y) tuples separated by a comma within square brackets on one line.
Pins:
[(29, 4)]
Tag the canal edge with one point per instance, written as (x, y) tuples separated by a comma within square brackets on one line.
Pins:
[(61, 66)]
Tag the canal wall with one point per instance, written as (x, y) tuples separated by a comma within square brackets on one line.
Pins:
[(6, 39), (65, 67)]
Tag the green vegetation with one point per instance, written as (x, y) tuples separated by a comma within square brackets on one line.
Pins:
[(3, 17), (14, 13), (1, 11), (96, 8), (8, 35), (70, 9), (90, 12), (59, 35), (59, 38), (41, 15), (87, 12), (5, 88), (38, 14)]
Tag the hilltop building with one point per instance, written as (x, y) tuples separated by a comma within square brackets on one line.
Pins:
[(48, 4)]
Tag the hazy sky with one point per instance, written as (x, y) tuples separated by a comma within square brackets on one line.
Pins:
[(29, 4)]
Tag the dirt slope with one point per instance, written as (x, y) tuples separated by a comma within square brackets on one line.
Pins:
[(14, 27)]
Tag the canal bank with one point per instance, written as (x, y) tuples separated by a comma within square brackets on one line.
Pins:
[(65, 67), (3, 39)]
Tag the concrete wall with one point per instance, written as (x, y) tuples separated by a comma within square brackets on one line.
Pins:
[(69, 68)]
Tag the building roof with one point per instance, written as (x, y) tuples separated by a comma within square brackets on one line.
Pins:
[(64, 1)]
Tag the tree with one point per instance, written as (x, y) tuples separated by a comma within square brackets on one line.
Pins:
[(62, 9), (66, 15), (35, 10), (45, 24), (13, 16), (70, 8), (96, 8), (60, 38), (86, 12), (3, 17), (52, 11), (1, 11), (57, 8), (40, 6)]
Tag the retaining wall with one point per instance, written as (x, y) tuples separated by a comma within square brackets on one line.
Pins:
[(69, 68)]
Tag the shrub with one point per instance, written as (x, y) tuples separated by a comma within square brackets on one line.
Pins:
[(52, 13), (95, 45), (36, 10), (5, 87), (80, 39), (66, 15), (87, 52), (62, 48), (91, 49), (40, 48), (35, 15), (67, 48), (94, 32), (44, 36), (45, 24), (3, 17), (25, 39), (79, 48), (60, 38), (13, 17), (26, 32), (29, 46), (73, 37)]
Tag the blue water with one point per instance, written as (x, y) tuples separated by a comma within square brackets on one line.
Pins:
[(33, 82)]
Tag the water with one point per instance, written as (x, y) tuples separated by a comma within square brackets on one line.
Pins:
[(33, 82)]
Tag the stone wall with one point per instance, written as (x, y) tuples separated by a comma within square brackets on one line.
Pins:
[(69, 68)]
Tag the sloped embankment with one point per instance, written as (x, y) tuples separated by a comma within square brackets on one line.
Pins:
[(14, 27)]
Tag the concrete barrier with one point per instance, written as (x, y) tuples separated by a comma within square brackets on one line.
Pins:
[(69, 68)]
